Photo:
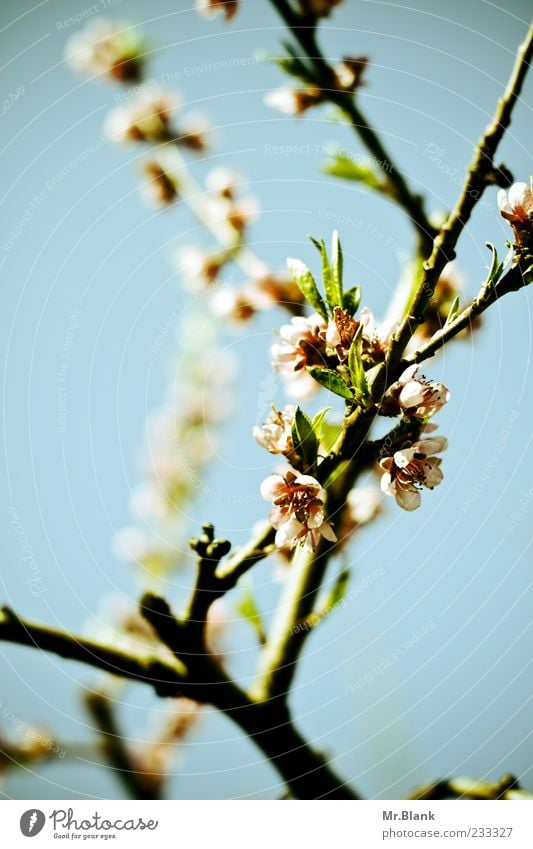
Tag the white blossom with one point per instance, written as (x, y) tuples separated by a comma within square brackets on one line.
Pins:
[(298, 514), (412, 468)]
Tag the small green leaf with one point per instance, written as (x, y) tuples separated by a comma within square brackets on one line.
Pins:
[(331, 380), (248, 609), (338, 590), (346, 169), (307, 286), (351, 300), (337, 263), (453, 312), (330, 600), (495, 270), (317, 422), (331, 288), (304, 437), (357, 370)]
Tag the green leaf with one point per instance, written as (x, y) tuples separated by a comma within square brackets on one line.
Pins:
[(330, 600), (495, 270), (331, 380), (346, 169), (351, 300), (307, 286), (331, 288), (317, 422), (357, 370), (453, 312), (304, 437), (338, 590), (248, 609), (337, 263)]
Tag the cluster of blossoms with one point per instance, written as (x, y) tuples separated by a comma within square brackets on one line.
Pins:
[(150, 117), (414, 466), (107, 48), (347, 77), (298, 513), (313, 341), (516, 206)]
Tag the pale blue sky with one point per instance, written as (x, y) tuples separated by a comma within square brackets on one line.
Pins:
[(458, 702)]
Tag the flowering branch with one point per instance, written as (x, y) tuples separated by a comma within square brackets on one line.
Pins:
[(513, 281), (303, 28), (479, 176)]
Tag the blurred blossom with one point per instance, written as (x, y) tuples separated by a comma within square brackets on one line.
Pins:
[(293, 101), (181, 436), (208, 8), (199, 268), (224, 182), (350, 72), (161, 184), (110, 48), (147, 118), (194, 133), (233, 304), (363, 505)]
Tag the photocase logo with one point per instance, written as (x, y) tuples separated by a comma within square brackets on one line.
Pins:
[(32, 822)]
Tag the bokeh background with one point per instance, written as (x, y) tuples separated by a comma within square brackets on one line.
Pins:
[(460, 569)]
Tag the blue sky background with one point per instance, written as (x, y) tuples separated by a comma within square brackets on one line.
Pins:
[(458, 702)]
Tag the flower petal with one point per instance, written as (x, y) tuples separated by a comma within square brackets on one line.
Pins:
[(408, 499)]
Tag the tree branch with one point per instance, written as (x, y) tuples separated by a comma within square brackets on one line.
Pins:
[(479, 176), (513, 281), (303, 29)]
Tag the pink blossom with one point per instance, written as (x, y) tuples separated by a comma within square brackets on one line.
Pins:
[(275, 433), (298, 514), (517, 205), (410, 469), (419, 397)]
